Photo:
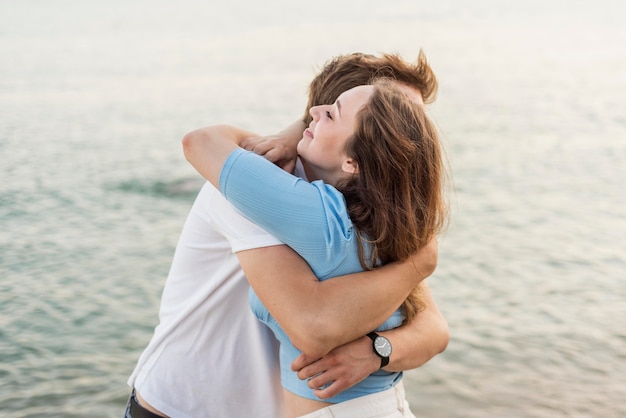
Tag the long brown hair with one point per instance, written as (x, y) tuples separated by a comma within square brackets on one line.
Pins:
[(396, 199)]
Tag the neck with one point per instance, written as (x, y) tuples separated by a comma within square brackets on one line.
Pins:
[(315, 173), (310, 174)]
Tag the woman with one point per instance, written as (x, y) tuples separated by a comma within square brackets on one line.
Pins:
[(375, 162)]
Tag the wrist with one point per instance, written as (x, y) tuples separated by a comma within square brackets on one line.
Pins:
[(371, 358), (381, 347)]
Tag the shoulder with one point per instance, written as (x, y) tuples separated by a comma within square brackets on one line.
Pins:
[(212, 208)]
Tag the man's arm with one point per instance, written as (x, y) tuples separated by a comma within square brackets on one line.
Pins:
[(413, 345), (430, 323), (321, 315), (429, 335), (317, 330)]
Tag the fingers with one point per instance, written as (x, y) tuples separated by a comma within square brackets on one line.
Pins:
[(327, 382), (320, 375), (325, 386), (272, 155), (302, 361), (258, 145), (308, 367), (332, 389), (313, 369), (331, 382), (274, 149), (342, 368), (248, 143), (328, 376)]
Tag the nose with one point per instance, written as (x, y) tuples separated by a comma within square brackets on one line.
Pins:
[(315, 112)]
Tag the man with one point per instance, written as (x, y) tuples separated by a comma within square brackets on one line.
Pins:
[(209, 355)]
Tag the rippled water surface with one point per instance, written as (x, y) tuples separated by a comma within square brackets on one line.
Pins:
[(95, 96)]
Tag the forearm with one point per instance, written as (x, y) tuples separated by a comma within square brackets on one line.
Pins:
[(307, 309), (380, 293), (413, 345), (421, 340), (340, 314)]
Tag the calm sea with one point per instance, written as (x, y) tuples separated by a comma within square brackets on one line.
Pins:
[(94, 189)]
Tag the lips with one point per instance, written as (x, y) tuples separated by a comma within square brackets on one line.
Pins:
[(308, 133)]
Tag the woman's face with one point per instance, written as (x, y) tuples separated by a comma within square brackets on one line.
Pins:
[(323, 143)]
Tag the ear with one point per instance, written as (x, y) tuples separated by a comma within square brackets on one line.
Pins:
[(349, 166)]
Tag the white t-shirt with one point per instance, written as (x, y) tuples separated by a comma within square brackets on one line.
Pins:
[(209, 355)]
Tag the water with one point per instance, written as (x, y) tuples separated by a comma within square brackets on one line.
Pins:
[(95, 96)]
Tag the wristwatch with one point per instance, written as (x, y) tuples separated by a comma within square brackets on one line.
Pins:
[(382, 348)]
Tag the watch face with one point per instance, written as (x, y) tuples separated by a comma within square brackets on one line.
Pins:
[(383, 346)]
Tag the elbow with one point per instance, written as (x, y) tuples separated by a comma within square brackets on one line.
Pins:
[(315, 338), (310, 348), (444, 335), (189, 142), (430, 260)]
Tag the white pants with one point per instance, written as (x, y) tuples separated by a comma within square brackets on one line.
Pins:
[(390, 403)]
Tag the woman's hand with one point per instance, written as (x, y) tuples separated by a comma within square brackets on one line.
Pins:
[(281, 149), (275, 148)]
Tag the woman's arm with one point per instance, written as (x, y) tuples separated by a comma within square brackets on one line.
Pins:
[(319, 316), (429, 336)]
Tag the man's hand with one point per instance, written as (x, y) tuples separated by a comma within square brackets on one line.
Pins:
[(340, 369), (274, 148)]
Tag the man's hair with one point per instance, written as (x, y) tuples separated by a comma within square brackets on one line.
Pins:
[(395, 200), (347, 71)]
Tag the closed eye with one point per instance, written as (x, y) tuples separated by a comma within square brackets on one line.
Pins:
[(328, 115)]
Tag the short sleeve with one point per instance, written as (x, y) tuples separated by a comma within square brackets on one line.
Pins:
[(241, 233), (311, 218)]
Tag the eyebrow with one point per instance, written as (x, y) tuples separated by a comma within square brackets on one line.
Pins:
[(339, 107)]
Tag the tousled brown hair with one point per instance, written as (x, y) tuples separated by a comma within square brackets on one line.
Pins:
[(395, 200), (347, 71)]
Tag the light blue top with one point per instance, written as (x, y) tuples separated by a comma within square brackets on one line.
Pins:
[(312, 219)]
